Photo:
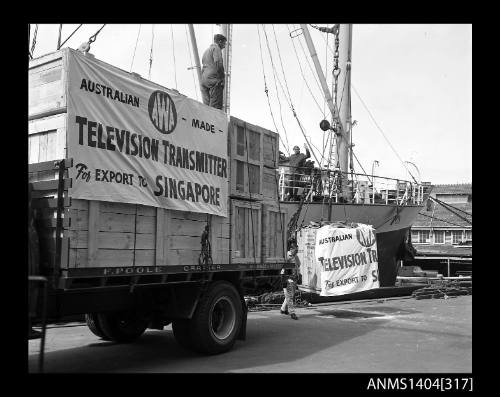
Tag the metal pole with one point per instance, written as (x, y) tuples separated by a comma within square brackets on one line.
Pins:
[(449, 273), (195, 52), (319, 71)]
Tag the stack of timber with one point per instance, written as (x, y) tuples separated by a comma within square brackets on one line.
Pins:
[(109, 239), (257, 217)]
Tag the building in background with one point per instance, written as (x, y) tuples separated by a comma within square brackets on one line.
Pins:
[(442, 232)]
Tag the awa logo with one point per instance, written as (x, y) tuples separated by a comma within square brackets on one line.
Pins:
[(366, 237), (162, 112)]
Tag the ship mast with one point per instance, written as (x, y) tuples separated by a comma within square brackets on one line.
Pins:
[(341, 110), (226, 30)]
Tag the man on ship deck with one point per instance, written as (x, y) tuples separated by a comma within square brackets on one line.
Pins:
[(296, 162)]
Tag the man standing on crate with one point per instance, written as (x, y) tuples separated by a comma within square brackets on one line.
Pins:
[(212, 73), (296, 162)]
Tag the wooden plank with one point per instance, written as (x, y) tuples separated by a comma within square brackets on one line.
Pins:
[(61, 147), (48, 165), (113, 240), (185, 243), (42, 155), (50, 202), (192, 228), (51, 152), (50, 185), (160, 237), (112, 258), (48, 59), (47, 124), (167, 220), (93, 232), (34, 143)]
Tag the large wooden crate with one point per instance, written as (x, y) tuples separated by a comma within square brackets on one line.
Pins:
[(246, 233), (252, 149), (105, 234)]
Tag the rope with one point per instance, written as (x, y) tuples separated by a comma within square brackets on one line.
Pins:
[(442, 220), (378, 127), (289, 100), (74, 31), (275, 85), (267, 95), (173, 54), (94, 36), (302, 73), (362, 167), (191, 62), (151, 52), (135, 48), (34, 41)]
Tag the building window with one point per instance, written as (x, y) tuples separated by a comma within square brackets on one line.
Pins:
[(423, 236), (414, 236), (438, 237), (456, 236), (468, 235)]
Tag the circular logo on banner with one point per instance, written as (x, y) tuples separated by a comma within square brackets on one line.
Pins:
[(162, 112), (366, 237)]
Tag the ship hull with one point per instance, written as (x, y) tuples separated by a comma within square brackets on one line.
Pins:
[(391, 223)]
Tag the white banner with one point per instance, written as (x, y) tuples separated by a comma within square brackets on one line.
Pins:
[(133, 141), (348, 259)]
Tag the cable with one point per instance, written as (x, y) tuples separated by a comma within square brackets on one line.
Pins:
[(151, 52), (34, 41), (135, 48), (173, 54), (267, 95), (442, 220), (276, 86), (288, 99), (302, 73), (378, 127), (64, 42)]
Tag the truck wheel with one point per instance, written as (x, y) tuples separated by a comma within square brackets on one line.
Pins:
[(93, 324), (217, 319), (182, 333), (123, 326)]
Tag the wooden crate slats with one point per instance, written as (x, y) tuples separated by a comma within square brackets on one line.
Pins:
[(246, 238), (160, 236), (51, 123), (93, 232), (46, 86), (49, 165), (50, 202), (270, 184), (111, 258), (50, 185), (113, 240), (274, 222)]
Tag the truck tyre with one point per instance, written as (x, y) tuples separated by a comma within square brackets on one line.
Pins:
[(93, 324), (123, 326), (182, 334), (217, 319)]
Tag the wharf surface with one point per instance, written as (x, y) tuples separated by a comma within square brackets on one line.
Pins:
[(399, 334)]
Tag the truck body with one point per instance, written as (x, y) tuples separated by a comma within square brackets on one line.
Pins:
[(130, 266)]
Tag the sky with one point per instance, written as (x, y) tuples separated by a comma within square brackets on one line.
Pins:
[(415, 80)]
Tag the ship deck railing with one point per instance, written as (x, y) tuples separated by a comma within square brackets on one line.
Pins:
[(346, 187)]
